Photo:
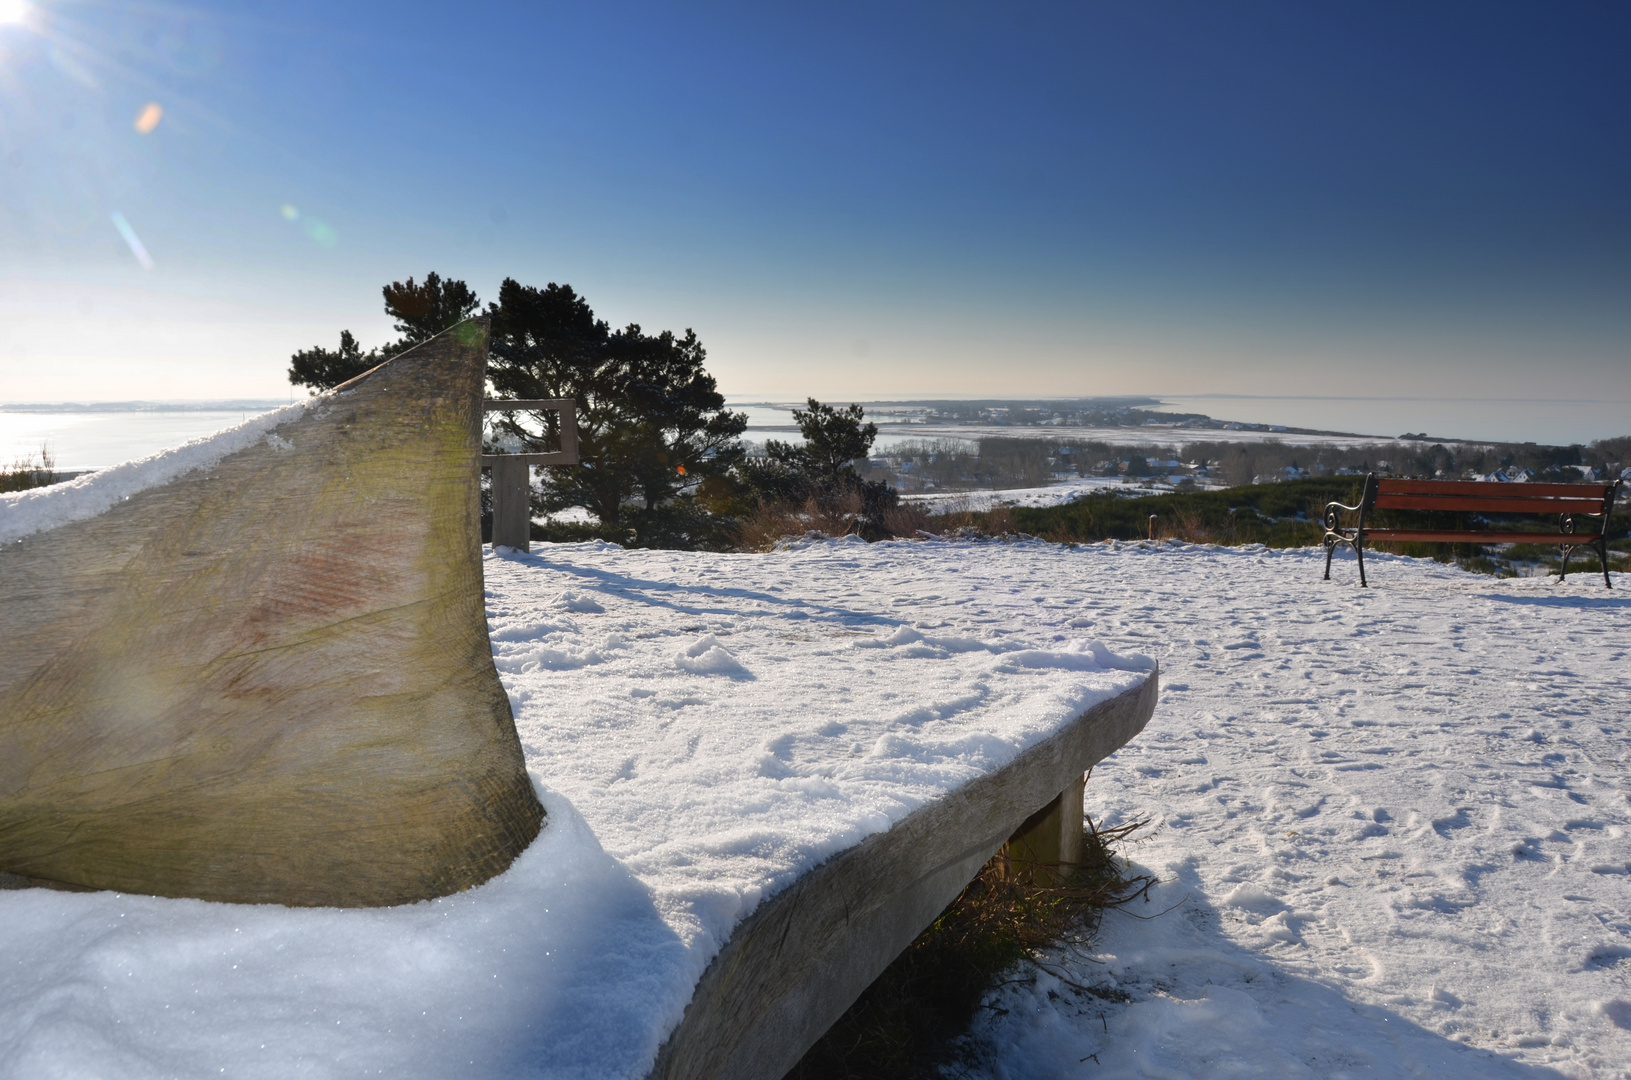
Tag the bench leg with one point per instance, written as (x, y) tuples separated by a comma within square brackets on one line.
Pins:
[(1602, 555), (1050, 841), (1330, 548), (1568, 550), (1359, 553)]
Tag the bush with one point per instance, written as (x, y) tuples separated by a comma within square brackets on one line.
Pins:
[(815, 487), (26, 473), (1278, 515)]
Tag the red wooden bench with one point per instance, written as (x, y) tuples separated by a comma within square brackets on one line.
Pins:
[(1567, 502)]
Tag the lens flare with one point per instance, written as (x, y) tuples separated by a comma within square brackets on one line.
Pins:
[(149, 117), (321, 233), (13, 11), (137, 248), (290, 212)]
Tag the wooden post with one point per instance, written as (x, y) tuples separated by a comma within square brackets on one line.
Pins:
[(512, 473), (512, 502), (1051, 836)]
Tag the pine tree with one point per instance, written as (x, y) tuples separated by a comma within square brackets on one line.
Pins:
[(652, 425), (421, 312)]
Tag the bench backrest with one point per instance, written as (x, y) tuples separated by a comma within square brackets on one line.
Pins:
[(1493, 497)]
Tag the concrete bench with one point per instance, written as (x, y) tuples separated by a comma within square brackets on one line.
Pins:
[(792, 967)]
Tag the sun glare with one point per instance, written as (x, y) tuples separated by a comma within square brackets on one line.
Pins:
[(149, 118), (13, 11)]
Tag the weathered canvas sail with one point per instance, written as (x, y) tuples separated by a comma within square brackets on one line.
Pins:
[(269, 680)]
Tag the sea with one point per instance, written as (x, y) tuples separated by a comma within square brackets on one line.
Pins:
[(81, 436)]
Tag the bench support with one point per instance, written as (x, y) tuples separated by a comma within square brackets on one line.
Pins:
[(1355, 538), (791, 968), (1600, 547), (1050, 840)]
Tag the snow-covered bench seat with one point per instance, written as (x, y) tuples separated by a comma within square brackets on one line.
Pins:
[(803, 755)]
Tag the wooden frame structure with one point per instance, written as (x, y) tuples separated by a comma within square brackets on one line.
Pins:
[(512, 473)]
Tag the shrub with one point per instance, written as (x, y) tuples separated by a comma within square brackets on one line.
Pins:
[(27, 473)]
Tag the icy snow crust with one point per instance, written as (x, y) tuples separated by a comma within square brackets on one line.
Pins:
[(703, 729), (23, 513)]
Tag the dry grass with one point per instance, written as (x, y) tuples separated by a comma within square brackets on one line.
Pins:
[(774, 521), (28, 473), (905, 1025), (771, 522)]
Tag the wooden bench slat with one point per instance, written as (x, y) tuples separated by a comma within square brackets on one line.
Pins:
[(1393, 486), (1388, 536), (1489, 505)]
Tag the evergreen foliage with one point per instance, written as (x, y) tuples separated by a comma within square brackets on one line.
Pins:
[(833, 440), (421, 312), (819, 478), (324, 369), (653, 430)]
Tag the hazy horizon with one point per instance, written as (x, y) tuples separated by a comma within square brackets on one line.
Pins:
[(90, 434)]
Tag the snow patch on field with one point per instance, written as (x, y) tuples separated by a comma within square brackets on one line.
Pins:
[(749, 716), (1054, 494)]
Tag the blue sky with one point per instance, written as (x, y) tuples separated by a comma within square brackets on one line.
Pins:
[(848, 200)]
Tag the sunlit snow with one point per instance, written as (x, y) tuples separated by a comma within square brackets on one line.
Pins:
[(1391, 825)]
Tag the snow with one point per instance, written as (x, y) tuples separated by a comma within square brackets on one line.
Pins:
[(1392, 828), (1055, 494), (725, 722), (702, 729), (1392, 825), (23, 513)]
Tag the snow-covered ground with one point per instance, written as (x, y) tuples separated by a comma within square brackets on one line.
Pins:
[(1055, 494), (703, 729), (1392, 826)]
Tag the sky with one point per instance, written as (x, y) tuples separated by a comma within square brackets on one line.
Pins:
[(845, 200)]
